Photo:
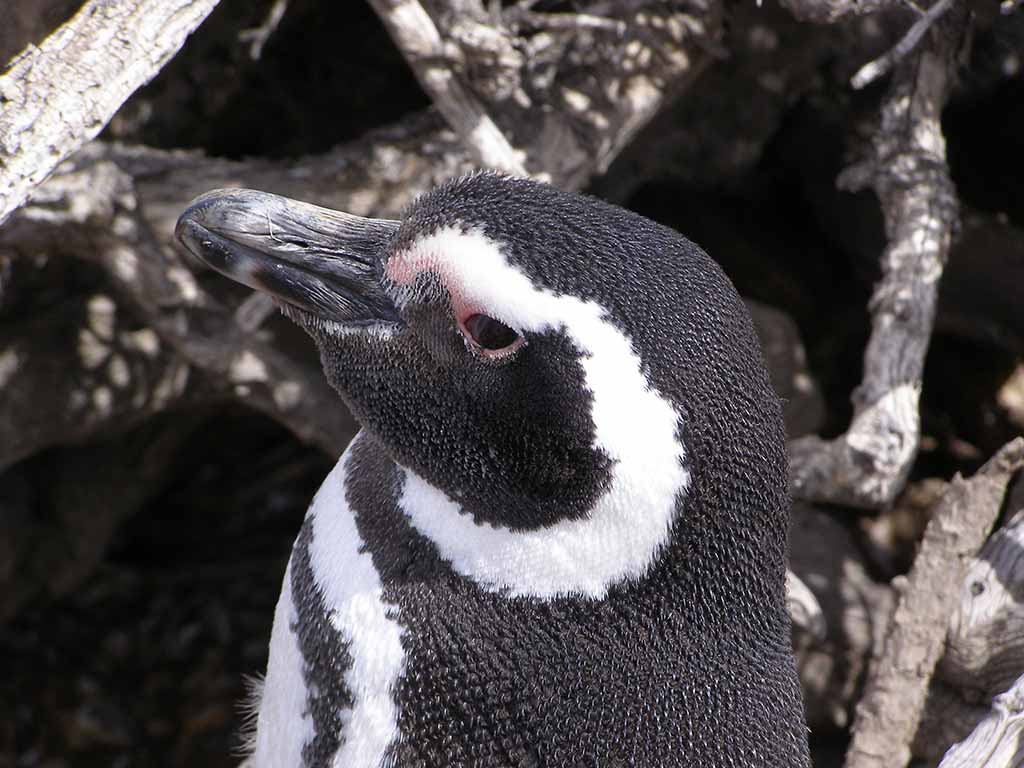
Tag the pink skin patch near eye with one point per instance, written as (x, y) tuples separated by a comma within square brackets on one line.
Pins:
[(403, 269)]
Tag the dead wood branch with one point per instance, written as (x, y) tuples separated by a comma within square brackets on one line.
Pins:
[(868, 465), (985, 645), (571, 96), (258, 36), (890, 710), (417, 38), (882, 65), (96, 209), (83, 367), (718, 132), (55, 98), (998, 741)]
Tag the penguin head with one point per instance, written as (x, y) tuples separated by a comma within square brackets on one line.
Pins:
[(529, 354)]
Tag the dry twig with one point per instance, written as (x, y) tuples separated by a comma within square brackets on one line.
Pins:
[(257, 37), (880, 66)]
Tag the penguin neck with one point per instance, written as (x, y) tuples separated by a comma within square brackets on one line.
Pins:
[(618, 540)]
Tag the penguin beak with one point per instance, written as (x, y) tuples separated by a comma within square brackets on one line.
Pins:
[(324, 262)]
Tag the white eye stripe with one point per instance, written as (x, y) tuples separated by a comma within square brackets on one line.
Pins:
[(477, 275), (634, 425)]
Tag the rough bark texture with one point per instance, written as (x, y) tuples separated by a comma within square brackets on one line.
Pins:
[(82, 369), (56, 97), (417, 37), (869, 464), (985, 643), (96, 203), (890, 710), (998, 741)]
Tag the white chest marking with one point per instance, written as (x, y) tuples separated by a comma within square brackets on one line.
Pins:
[(634, 425), (282, 726), (353, 597)]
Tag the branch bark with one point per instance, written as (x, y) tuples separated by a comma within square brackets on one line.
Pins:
[(416, 36), (868, 465), (985, 645), (96, 210), (984, 651), (882, 65), (998, 741), (83, 367), (890, 710), (56, 97), (568, 97)]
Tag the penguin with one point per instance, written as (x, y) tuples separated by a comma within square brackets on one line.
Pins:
[(559, 538)]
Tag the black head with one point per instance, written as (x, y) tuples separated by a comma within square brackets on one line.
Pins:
[(532, 354)]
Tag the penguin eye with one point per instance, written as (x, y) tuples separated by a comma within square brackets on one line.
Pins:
[(490, 334)]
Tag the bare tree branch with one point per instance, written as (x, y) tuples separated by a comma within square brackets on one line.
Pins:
[(868, 466), (257, 37), (80, 368), (998, 741), (55, 98), (985, 645), (567, 121), (419, 41), (880, 66), (97, 205), (984, 651), (890, 710)]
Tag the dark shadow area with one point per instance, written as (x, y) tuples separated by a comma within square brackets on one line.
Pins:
[(145, 663), (328, 74)]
